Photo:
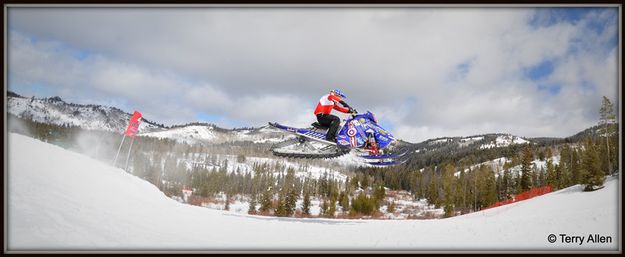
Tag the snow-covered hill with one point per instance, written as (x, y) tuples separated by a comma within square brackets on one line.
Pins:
[(503, 141), (54, 110), (497, 165), (67, 201), (209, 133), (485, 141), (307, 171)]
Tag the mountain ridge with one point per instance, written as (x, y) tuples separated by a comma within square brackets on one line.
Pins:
[(115, 119)]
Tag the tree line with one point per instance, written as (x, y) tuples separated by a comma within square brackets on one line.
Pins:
[(456, 184)]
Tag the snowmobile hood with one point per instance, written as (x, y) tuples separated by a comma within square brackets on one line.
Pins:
[(368, 115)]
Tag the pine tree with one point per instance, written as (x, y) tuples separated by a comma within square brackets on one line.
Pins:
[(265, 204), (593, 177), (280, 210), (526, 168), (565, 176), (486, 186), (548, 153), (535, 181), (432, 192), (290, 191), (576, 172), (552, 179), (290, 201), (378, 194), (227, 202), (306, 204), (363, 205), (559, 177), (344, 201), (542, 177), (507, 184), (448, 186), (324, 207), (607, 114), (391, 207), (252, 207), (460, 191), (331, 208)]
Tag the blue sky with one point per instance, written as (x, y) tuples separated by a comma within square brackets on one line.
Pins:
[(424, 72)]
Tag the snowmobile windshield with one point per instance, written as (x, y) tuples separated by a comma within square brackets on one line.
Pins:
[(368, 116)]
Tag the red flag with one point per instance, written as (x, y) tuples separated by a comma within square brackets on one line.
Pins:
[(133, 125)]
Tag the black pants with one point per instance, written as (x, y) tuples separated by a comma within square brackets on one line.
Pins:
[(331, 121)]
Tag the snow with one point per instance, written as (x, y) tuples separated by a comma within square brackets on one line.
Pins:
[(310, 171), (192, 134), (351, 159), (537, 164), (503, 141), (93, 117), (439, 141), (497, 165), (468, 139), (66, 201), (96, 117), (187, 134), (543, 164)]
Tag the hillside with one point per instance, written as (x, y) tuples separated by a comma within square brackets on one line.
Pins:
[(488, 146), (431, 152), (209, 133), (54, 110), (67, 201)]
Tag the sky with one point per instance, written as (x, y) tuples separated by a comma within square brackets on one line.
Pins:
[(424, 72)]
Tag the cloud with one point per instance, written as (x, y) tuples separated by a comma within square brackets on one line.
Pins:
[(425, 71)]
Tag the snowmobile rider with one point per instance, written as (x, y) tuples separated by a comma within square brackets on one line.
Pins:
[(324, 108)]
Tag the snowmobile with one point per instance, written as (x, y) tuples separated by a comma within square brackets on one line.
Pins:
[(360, 132)]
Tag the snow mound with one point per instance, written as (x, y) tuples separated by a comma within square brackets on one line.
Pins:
[(67, 201)]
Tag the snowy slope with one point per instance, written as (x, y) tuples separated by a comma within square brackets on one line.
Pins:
[(187, 134), (67, 201), (497, 165), (56, 111), (209, 133), (310, 171), (503, 141)]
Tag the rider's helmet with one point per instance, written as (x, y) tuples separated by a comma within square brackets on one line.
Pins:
[(339, 93)]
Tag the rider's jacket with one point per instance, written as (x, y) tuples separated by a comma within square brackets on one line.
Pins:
[(329, 102)]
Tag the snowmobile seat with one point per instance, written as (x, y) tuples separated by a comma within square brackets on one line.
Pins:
[(317, 125)]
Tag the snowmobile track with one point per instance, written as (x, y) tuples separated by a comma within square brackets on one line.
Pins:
[(326, 155)]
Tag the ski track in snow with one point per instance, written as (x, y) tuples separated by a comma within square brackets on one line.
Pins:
[(61, 200)]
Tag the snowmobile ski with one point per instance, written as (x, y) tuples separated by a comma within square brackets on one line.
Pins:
[(386, 163), (308, 144)]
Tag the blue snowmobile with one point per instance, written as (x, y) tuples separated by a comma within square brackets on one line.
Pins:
[(360, 132)]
